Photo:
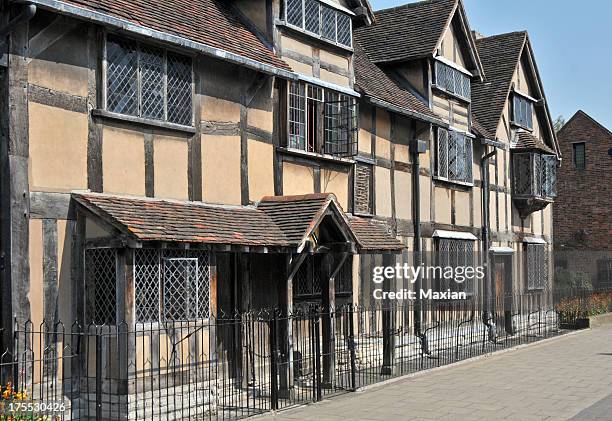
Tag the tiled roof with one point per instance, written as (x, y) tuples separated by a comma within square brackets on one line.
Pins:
[(526, 140), (377, 84), (296, 215), (479, 130), (284, 221), (406, 32), (210, 22), (499, 55), (174, 221), (372, 235)]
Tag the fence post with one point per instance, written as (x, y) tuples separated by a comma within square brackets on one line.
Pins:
[(317, 343), (352, 346), (273, 363), (98, 376)]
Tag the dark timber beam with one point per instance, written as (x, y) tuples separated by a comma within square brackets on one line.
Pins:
[(14, 191)]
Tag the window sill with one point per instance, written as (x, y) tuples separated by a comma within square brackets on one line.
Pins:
[(314, 155), (520, 126), (454, 95), (143, 121), (364, 215), (314, 36), (448, 181)]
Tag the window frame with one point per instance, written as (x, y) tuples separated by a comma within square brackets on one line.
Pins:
[(468, 168), (321, 144), (527, 123), (440, 262), (161, 255), (320, 35), (541, 260), (438, 65), (540, 168), (584, 161), (138, 116)]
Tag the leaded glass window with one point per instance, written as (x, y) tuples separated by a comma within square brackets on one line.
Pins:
[(522, 112), (536, 264), (148, 82), (535, 175), (171, 285), (321, 120), (320, 20), (455, 253), (454, 156), (101, 285), (452, 80)]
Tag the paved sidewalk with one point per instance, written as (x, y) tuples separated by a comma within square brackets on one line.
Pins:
[(565, 378)]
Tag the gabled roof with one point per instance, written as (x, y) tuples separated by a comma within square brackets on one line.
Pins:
[(284, 222), (413, 31), (500, 55), (375, 83), (213, 23), (584, 115)]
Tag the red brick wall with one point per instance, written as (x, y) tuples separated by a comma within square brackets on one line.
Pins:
[(584, 202)]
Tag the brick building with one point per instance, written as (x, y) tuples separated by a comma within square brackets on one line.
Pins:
[(583, 212)]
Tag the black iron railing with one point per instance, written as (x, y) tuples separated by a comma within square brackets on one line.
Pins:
[(244, 364)]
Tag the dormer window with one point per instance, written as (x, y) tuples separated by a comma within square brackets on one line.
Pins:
[(522, 111), (320, 20), (453, 81)]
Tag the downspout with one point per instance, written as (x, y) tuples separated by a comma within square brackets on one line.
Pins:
[(27, 13), (486, 311), (417, 147)]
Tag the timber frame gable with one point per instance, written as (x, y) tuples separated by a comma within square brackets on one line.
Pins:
[(493, 94)]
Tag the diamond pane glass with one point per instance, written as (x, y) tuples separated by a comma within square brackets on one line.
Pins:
[(100, 275), (147, 275), (312, 10), (180, 275), (442, 153), (152, 85), (328, 18), (122, 76), (344, 29), (179, 89), (523, 174), (294, 12)]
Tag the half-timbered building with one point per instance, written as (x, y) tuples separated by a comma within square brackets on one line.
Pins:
[(167, 162)]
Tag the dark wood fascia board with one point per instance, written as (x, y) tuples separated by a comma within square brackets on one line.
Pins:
[(106, 221)]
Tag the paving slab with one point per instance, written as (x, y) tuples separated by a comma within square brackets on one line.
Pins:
[(566, 378)]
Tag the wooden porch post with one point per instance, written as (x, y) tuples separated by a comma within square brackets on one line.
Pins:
[(126, 319), (285, 334), (328, 292), (388, 322)]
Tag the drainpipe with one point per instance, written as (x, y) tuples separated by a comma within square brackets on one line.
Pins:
[(27, 13), (417, 147), (486, 311)]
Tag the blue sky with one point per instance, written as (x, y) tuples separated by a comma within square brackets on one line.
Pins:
[(572, 43)]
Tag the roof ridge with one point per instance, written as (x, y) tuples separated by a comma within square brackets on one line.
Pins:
[(85, 194), (297, 197), (412, 5), (505, 34)]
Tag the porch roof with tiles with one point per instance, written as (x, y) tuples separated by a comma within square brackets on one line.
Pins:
[(276, 223)]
